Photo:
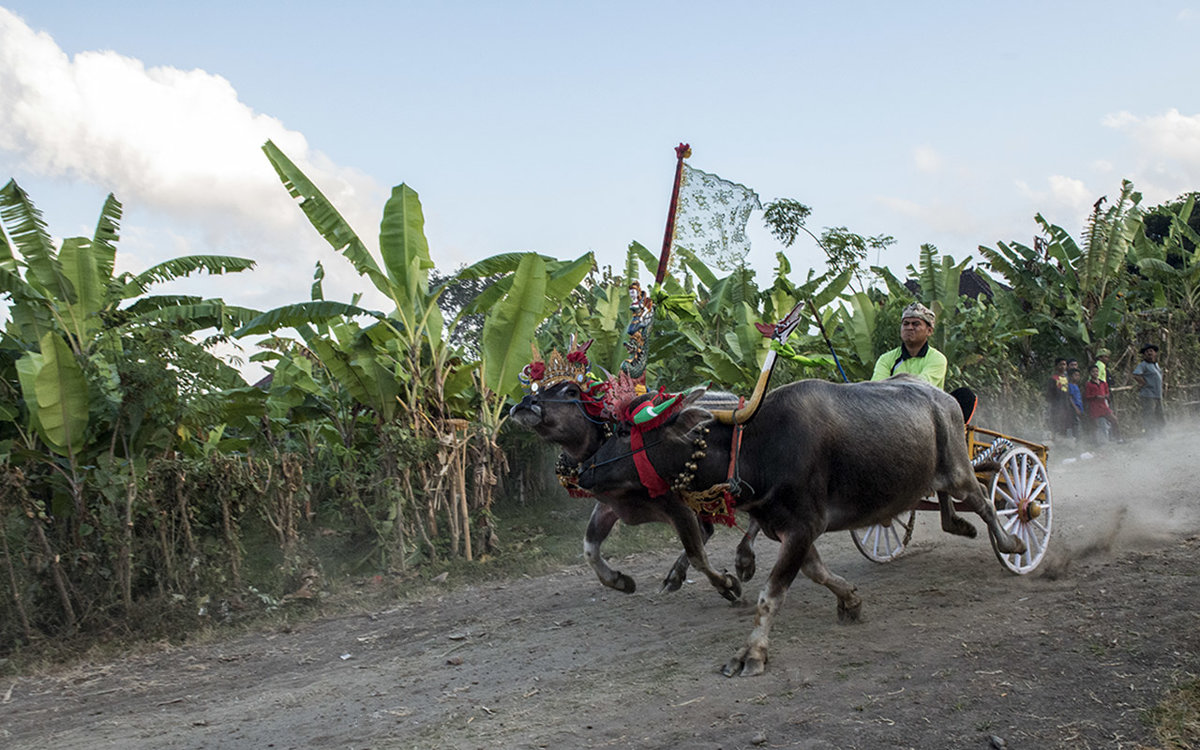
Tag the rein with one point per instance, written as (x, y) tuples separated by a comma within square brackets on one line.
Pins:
[(649, 477), (577, 402), (621, 457)]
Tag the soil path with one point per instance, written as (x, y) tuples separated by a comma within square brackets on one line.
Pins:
[(953, 651)]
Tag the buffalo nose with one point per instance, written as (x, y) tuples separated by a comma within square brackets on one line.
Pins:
[(524, 403)]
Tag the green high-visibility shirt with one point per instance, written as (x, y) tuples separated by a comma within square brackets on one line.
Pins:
[(929, 364)]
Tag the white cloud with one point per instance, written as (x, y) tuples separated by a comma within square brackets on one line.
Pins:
[(937, 217), (1168, 151), (1070, 193), (178, 148), (927, 159), (1060, 192)]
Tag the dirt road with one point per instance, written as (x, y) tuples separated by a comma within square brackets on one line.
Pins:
[(953, 651)]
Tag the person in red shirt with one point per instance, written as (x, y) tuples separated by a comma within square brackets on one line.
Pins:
[(1096, 400)]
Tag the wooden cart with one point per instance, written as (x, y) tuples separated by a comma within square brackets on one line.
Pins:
[(1019, 491)]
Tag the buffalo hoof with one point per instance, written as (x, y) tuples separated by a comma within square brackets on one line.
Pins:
[(1010, 546), (743, 664), (959, 526), (851, 612), (744, 565), (623, 583), (732, 589), (673, 581)]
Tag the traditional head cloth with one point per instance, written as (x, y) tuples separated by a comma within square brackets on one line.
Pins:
[(917, 310), (1103, 353)]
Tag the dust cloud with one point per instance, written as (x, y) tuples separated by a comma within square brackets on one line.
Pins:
[(1121, 497)]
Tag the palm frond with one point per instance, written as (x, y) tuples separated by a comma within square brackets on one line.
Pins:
[(146, 305), (291, 316), (182, 267), (106, 235), (195, 317), (325, 218), (27, 229)]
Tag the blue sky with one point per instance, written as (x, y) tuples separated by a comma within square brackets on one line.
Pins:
[(550, 126)]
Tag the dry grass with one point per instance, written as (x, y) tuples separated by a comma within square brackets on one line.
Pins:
[(1176, 720)]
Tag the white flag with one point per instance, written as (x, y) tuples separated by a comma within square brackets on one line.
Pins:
[(711, 216)]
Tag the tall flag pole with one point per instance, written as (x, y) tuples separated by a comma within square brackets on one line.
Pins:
[(640, 304), (682, 151)]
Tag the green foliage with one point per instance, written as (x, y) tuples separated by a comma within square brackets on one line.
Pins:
[(785, 219), (137, 467), (846, 251)]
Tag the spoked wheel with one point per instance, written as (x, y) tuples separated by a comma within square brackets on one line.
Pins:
[(1021, 496), (885, 542)]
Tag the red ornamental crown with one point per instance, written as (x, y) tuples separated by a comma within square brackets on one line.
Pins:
[(556, 368)]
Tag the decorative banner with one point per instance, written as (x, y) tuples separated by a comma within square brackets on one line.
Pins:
[(711, 218)]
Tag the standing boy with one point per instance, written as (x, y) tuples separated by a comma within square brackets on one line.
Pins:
[(1149, 379)]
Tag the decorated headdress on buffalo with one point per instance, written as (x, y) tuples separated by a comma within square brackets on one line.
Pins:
[(541, 374)]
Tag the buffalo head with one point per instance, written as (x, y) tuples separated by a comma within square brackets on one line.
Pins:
[(558, 414)]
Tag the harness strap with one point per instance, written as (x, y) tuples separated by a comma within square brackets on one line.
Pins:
[(650, 478), (736, 445)]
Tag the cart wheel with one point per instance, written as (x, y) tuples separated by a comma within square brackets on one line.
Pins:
[(1021, 496), (884, 542)]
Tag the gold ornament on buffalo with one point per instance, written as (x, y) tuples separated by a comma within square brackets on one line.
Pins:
[(557, 368)]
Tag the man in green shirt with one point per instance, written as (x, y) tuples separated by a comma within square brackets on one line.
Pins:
[(914, 355), (1102, 362)]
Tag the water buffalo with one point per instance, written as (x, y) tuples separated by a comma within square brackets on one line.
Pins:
[(558, 414), (817, 457)]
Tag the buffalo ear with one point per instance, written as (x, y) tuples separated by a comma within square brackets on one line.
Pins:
[(693, 395), (688, 420)]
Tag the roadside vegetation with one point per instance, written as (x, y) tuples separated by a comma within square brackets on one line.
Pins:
[(147, 490)]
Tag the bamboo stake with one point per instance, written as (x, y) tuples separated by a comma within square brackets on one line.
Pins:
[(12, 580), (127, 544), (56, 572), (461, 456)]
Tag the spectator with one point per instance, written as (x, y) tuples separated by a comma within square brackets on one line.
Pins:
[(1058, 399), (1097, 397), (1073, 390), (1102, 362), (1149, 379)]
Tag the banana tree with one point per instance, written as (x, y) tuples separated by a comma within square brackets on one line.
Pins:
[(1072, 296), (102, 373), (1173, 266), (69, 301), (714, 335), (404, 365)]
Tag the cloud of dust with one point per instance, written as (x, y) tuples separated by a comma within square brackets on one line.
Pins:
[(1135, 496)]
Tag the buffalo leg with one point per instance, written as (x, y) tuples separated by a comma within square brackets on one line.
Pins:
[(978, 502), (687, 527), (849, 604), (678, 572), (751, 659), (599, 526), (951, 521), (744, 559)]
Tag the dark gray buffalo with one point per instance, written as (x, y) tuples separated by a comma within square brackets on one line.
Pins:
[(817, 457), (557, 414)]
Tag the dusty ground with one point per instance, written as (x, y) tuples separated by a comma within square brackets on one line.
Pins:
[(953, 651)]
